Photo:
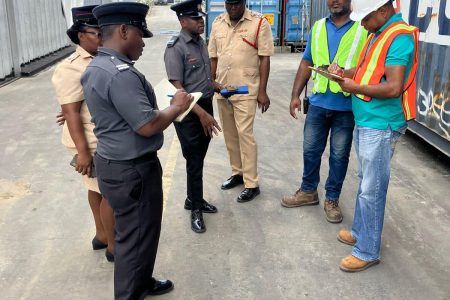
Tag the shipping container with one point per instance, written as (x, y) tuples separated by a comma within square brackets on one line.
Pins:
[(270, 9), (433, 77), (6, 54), (30, 30), (296, 21), (319, 10)]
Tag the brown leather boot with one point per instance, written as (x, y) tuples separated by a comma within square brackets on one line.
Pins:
[(345, 236), (353, 264), (300, 198), (332, 211)]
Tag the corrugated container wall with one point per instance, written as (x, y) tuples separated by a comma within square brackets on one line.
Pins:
[(297, 16), (41, 28), (433, 77), (6, 61), (270, 8), (319, 9), (31, 29)]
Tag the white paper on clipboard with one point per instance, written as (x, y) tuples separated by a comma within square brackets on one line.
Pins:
[(327, 74), (162, 91)]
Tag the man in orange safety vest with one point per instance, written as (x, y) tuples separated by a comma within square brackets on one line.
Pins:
[(383, 87)]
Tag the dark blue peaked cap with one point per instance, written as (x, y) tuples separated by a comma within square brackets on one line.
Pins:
[(83, 15), (189, 8), (129, 13)]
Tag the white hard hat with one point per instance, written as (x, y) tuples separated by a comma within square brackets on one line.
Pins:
[(361, 8)]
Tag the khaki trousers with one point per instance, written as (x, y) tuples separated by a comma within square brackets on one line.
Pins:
[(237, 123)]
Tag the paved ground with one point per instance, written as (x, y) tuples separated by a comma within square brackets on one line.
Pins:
[(257, 250)]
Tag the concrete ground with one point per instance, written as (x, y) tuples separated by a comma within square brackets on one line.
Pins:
[(256, 250)]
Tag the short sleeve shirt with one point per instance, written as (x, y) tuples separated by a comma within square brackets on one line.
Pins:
[(237, 60), (121, 101), (187, 61), (66, 81), (330, 100), (384, 113)]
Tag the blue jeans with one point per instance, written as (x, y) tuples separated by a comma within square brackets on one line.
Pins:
[(318, 124), (374, 148)]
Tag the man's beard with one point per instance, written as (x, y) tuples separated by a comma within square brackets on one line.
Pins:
[(340, 12)]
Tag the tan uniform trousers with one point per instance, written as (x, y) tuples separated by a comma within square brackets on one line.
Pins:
[(237, 123)]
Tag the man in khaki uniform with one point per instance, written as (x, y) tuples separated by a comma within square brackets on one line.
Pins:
[(240, 47)]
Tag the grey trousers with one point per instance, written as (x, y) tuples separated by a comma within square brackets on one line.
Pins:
[(134, 191)]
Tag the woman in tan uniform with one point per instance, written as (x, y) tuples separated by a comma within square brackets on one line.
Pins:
[(78, 131)]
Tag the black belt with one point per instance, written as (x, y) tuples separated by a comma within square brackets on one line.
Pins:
[(137, 160)]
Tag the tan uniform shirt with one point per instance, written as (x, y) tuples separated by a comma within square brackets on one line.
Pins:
[(238, 62), (66, 81)]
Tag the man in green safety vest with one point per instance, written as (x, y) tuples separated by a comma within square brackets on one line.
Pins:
[(334, 39)]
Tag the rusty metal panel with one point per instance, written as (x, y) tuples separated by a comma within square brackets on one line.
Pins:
[(319, 10), (6, 61), (433, 78)]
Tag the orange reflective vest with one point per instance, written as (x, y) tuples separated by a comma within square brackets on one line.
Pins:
[(371, 68)]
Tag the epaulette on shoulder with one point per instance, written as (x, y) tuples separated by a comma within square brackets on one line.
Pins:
[(219, 18), (73, 56), (119, 64), (256, 14), (173, 40)]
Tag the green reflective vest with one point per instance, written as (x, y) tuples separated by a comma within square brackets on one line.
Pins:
[(347, 54)]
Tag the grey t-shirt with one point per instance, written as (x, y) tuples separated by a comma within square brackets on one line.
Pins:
[(187, 61), (120, 101)]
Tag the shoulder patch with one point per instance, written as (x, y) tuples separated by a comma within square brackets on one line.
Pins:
[(119, 64), (173, 40)]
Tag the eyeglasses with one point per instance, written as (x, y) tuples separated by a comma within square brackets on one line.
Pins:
[(98, 34)]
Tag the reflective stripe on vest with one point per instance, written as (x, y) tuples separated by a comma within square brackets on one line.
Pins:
[(371, 65), (349, 48)]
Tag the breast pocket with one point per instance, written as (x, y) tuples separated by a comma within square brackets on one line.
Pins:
[(221, 39), (190, 71)]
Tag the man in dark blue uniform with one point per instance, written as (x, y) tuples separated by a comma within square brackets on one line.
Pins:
[(129, 128), (188, 66)]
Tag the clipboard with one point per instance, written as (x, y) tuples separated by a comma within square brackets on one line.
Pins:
[(327, 74), (164, 92)]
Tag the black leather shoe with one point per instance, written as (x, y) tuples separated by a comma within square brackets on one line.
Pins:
[(97, 244), (197, 223), (206, 207), (109, 256), (248, 194), (233, 181), (160, 287)]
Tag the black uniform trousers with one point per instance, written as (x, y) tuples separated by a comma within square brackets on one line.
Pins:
[(134, 191), (194, 145)]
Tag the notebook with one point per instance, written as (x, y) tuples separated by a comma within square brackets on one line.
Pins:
[(163, 91)]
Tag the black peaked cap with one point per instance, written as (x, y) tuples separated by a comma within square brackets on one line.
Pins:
[(189, 8), (129, 13)]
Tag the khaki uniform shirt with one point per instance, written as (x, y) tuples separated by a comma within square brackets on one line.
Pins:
[(238, 62), (66, 81)]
